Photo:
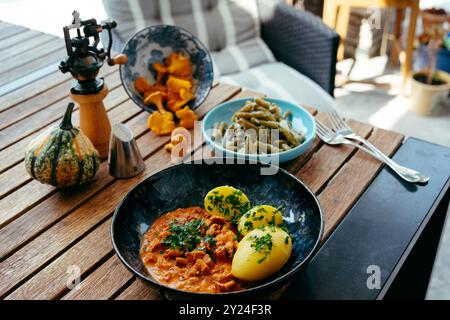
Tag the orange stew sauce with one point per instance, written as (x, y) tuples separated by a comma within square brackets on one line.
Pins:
[(190, 250)]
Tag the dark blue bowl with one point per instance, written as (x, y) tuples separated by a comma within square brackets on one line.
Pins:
[(186, 185), (153, 44)]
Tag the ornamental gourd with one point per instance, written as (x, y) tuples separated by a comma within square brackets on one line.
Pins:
[(62, 155)]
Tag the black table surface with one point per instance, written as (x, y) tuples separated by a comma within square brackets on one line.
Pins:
[(378, 235)]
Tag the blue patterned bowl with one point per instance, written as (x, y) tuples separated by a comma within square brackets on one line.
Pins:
[(157, 42), (186, 185)]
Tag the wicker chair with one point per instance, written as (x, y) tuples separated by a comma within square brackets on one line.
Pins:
[(301, 40)]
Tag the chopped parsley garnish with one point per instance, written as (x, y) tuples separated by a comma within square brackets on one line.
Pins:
[(284, 227), (184, 237), (248, 225), (262, 244), (272, 221), (210, 239), (229, 205)]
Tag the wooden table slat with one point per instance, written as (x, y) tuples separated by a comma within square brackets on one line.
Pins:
[(19, 40), (138, 290), (10, 30), (51, 282), (41, 119), (12, 61), (34, 65), (17, 50), (31, 90), (328, 160), (103, 283)]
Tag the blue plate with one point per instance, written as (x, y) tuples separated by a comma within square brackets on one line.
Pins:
[(187, 184), (302, 121), (157, 42)]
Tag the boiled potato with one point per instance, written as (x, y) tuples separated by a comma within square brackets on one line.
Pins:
[(259, 216), (226, 201), (261, 253)]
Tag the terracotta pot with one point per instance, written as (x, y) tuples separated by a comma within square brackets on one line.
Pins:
[(427, 99)]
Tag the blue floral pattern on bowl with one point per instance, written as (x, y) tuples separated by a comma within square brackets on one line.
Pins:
[(157, 42)]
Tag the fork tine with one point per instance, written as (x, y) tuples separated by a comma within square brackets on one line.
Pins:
[(322, 127), (324, 132), (322, 135), (321, 131), (334, 123), (341, 124)]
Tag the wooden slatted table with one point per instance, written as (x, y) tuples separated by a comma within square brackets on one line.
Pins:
[(44, 231)]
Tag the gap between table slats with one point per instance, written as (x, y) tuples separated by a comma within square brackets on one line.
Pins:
[(42, 101), (32, 90), (13, 61), (31, 66), (24, 45), (36, 121), (19, 39), (9, 30)]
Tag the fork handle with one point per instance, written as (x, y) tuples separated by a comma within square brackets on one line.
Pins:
[(407, 173)]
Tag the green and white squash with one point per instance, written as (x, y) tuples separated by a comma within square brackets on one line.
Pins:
[(62, 155)]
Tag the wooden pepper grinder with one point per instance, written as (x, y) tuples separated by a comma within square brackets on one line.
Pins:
[(84, 62)]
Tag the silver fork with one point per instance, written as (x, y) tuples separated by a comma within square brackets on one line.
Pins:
[(344, 131), (330, 137)]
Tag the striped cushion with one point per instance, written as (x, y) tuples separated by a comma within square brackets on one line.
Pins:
[(217, 23), (281, 81), (241, 57), (229, 28)]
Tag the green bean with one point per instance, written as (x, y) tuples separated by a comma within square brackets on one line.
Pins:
[(255, 121), (223, 127), (270, 124), (262, 102), (274, 109), (247, 108), (255, 114), (287, 114), (291, 135), (245, 123)]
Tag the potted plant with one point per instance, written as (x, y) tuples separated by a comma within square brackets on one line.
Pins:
[(430, 87)]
